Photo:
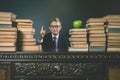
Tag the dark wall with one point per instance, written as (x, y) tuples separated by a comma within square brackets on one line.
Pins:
[(41, 11)]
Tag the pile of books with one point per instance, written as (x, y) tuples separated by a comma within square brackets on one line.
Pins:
[(97, 34), (78, 40), (113, 32), (8, 32), (26, 40)]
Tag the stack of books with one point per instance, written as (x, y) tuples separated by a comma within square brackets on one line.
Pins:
[(26, 40), (113, 32), (78, 40), (8, 31), (97, 34)]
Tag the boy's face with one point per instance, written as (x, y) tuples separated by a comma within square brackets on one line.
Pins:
[(55, 27)]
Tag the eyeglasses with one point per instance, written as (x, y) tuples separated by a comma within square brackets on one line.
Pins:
[(55, 26)]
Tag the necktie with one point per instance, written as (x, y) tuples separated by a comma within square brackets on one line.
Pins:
[(54, 42)]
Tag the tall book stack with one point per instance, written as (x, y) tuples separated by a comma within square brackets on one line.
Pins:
[(97, 34), (113, 32), (78, 40), (26, 40), (8, 31)]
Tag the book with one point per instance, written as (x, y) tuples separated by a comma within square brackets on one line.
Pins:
[(96, 20), (8, 48), (7, 44), (8, 29), (70, 49), (7, 14), (31, 48)]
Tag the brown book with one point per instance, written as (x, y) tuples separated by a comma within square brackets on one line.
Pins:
[(114, 24), (27, 43), (112, 49), (78, 39), (79, 46), (26, 29), (7, 33), (31, 48), (8, 48), (95, 24), (82, 42), (113, 34), (7, 44), (6, 22), (7, 19), (97, 35), (7, 14), (25, 36), (27, 39), (8, 36), (77, 32), (24, 26), (114, 37), (101, 39), (76, 36), (97, 31), (114, 44), (22, 23), (96, 20), (97, 44), (113, 20), (112, 17), (24, 20), (8, 39), (8, 29)]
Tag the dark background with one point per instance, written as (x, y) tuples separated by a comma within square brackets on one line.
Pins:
[(41, 11)]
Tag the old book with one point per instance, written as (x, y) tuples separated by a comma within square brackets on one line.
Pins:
[(8, 33), (24, 26), (70, 49), (81, 42), (112, 17), (113, 24), (26, 29), (97, 48), (8, 29), (113, 20), (27, 43), (101, 39), (113, 34), (22, 23), (8, 39), (25, 36), (117, 30), (76, 36), (96, 20), (78, 39), (7, 14), (7, 19), (112, 49), (24, 20), (97, 35), (8, 36), (97, 31), (7, 44), (95, 24), (8, 48), (80, 30), (77, 32), (31, 48), (27, 39), (79, 45), (97, 44)]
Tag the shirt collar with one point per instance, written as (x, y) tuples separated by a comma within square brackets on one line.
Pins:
[(55, 36)]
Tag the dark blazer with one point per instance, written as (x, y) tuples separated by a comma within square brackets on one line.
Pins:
[(47, 45)]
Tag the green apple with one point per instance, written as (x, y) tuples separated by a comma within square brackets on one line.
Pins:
[(77, 23)]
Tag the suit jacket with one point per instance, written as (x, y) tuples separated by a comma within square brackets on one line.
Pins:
[(47, 45)]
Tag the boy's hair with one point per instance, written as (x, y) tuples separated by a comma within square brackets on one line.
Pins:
[(55, 19)]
